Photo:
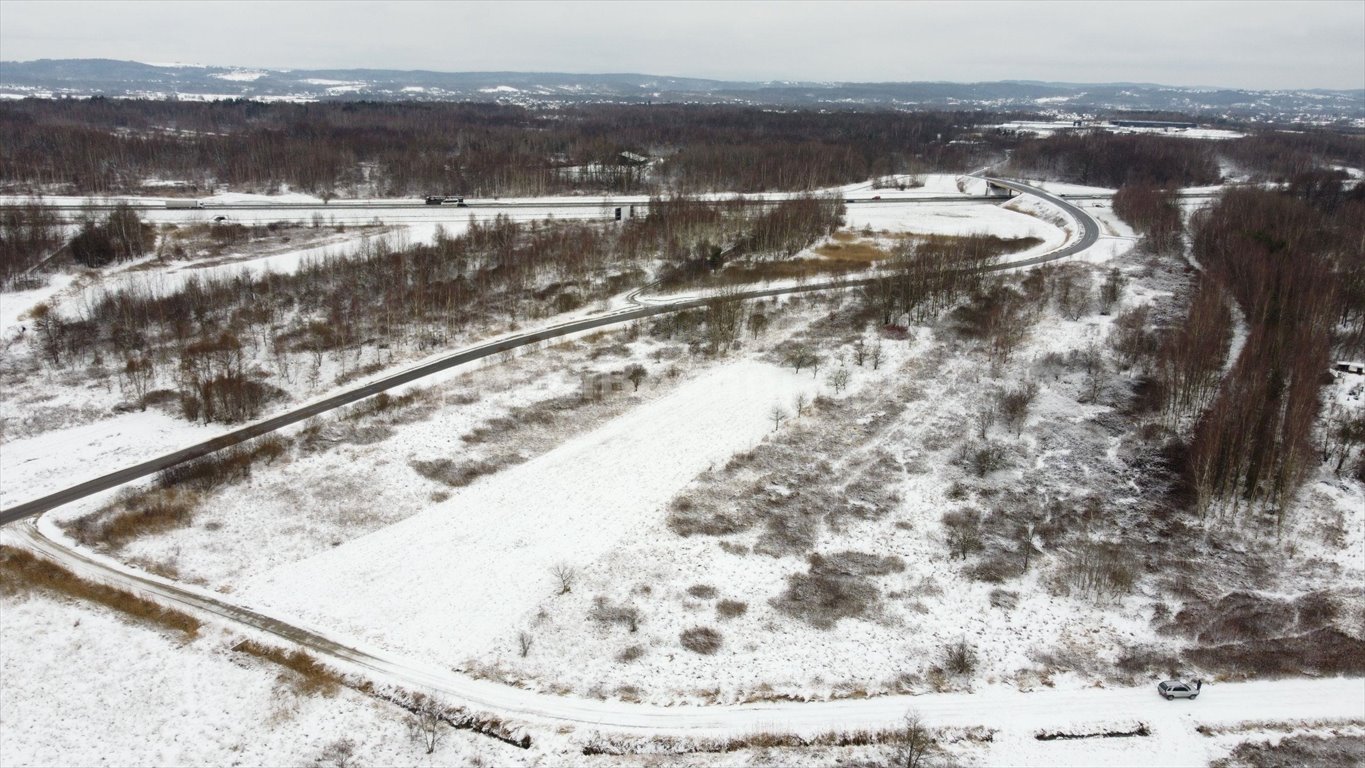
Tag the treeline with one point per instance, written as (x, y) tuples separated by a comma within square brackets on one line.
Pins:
[(927, 276), (219, 339), (103, 146), (29, 233), (1281, 156), (1153, 212), (1282, 261), (121, 236), (1108, 160)]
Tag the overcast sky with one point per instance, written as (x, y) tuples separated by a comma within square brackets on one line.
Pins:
[(1235, 44)]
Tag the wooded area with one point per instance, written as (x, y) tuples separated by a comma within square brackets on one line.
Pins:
[(99, 146)]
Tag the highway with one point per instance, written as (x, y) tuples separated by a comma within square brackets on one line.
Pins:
[(1089, 234)]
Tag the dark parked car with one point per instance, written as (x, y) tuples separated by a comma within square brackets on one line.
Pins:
[(1179, 689)]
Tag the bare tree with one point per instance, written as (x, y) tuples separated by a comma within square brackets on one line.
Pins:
[(138, 375), (1092, 363), (838, 378), (1015, 404), (916, 742), (565, 574), (524, 640), (803, 357), (778, 416), (1111, 290), (985, 419), (876, 355), (636, 373), (800, 404), (338, 754), (758, 322), (424, 721), (964, 531), (859, 352)]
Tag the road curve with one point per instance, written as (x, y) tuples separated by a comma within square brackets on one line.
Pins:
[(1089, 234), (1336, 698), (1333, 698)]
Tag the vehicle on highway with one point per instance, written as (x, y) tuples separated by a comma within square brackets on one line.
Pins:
[(443, 199), (183, 204), (1179, 689)]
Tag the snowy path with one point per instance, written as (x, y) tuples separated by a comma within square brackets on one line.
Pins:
[(1017, 715)]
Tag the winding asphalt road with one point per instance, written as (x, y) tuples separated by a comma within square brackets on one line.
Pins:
[(1022, 713), (1089, 234)]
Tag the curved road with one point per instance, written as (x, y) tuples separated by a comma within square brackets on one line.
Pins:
[(1089, 234), (1328, 699), (1226, 703)]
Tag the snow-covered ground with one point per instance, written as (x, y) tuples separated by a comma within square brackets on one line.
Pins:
[(81, 685), (1050, 127), (571, 505), (449, 579)]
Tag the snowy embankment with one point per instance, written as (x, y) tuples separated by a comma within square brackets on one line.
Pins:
[(428, 586)]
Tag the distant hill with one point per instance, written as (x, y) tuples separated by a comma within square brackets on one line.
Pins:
[(122, 79)]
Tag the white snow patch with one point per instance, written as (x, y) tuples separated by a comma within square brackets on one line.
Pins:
[(241, 75), (484, 556)]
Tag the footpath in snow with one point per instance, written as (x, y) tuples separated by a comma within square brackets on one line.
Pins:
[(446, 582)]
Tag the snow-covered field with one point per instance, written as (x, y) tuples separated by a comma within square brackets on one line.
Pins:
[(354, 542), (80, 685), (571, 505)]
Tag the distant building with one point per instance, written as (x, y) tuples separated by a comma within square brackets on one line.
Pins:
[(1350, 367), (630, 158)]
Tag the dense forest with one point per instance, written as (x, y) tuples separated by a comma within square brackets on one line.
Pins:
[(484, 150), (1303, 158), (1288, 267)]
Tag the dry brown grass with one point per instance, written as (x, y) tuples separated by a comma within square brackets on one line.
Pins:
[(739, 273), (852, 250), (21, 570), (729, 609), (703, 640), (309, 675), (155, 511), (620, 745)]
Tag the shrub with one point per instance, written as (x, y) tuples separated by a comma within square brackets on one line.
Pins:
[(960, 658), (154, 511), (822, 599), (702, 591), (630, 653), (1098, 570), (604, 612), (703, 640), (729, 609)]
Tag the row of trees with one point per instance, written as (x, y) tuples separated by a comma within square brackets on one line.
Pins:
[(930, 275), (121, 236), (29, 233), (1108, 160), (220, 338), (482, 150), (1154, 213), (1281, 260)]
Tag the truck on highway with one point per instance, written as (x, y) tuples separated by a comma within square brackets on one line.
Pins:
[(183, 204), (443, 199)]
